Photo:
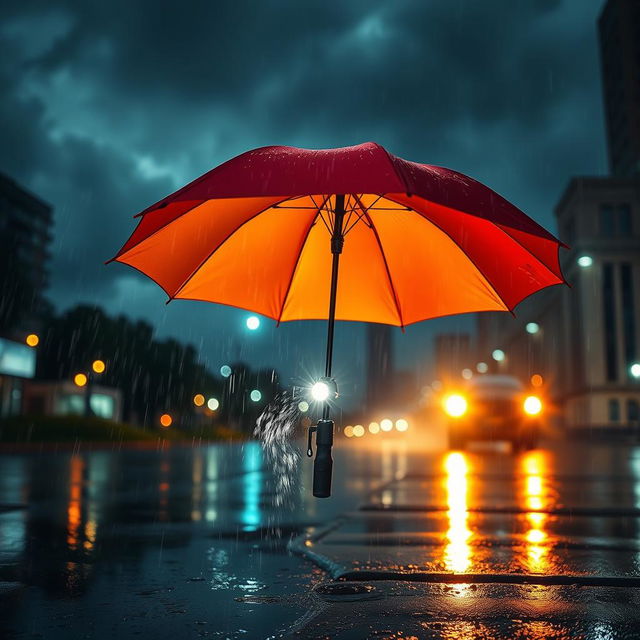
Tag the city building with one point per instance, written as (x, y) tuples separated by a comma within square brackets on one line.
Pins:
[(581, 344), (380, 373), (17, 367), (60, 398), (25, 235), (619, 34), (453, 354)]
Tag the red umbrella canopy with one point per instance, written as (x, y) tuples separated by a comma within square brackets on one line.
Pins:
[(420, 241)]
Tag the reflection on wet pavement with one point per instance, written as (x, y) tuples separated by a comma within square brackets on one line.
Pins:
[(193, 542)]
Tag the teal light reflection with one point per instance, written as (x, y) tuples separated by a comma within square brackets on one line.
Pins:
[(252, 484)]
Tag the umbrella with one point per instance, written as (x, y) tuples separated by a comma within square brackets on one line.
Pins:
[(354, 233)]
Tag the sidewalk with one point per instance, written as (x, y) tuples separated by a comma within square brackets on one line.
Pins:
[(492, 547)]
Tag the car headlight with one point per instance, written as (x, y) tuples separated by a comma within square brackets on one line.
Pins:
[(455, 405), (532, 405)]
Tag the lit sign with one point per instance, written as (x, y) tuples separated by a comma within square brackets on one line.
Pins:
[(17, 359)]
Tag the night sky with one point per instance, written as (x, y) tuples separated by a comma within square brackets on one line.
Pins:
[(108, 106)]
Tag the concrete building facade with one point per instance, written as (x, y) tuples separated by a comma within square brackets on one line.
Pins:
[(619, 35)]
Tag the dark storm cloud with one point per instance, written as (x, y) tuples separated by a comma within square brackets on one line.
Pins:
[(106, 107)]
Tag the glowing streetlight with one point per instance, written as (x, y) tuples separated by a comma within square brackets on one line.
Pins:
[(32, 340), (255, 395), (198, 399), (165, 420), (532, 327), (498, 355), (253, 323), (98, 366), (225, 370), (634, 370), (213, 404), (80, 379), (585, 261)]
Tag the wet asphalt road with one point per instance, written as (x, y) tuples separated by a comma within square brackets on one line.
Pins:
[(199, 542)]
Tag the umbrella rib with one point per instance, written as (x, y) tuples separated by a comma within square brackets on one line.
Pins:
[(384, 259), (473, 262), (203, 262), (297, 262)]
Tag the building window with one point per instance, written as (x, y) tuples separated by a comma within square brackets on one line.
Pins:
[(633, 411), (609, 313), (615, 220), (614, 410)]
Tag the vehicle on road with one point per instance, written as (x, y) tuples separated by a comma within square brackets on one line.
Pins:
[(493, 408)]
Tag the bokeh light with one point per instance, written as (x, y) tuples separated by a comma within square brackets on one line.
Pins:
[(455, 405), (213, 404), (255, 395), (225, 370), (374, 427), (532, 405), (482, 367), (32, 340), (498, 355), (402, 424), (98, 366), (80, 379), (165, 420), (386, 424), (253, 323), (303, 406), (348, 431), (536, 380), (358, 431), (198, 399)]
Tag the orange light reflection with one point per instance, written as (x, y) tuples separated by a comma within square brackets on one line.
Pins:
[(536, 499), (74, 508), (457, 552)]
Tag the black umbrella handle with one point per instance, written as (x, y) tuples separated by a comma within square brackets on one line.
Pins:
[(323, 464)]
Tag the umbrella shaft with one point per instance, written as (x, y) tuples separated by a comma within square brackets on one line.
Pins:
[(337, 240)]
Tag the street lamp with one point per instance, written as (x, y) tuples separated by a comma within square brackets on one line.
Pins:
[(585, 261), (80, 379), (634, 370), (98, 366), (86, 380), (32, 340), (253, 323)]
